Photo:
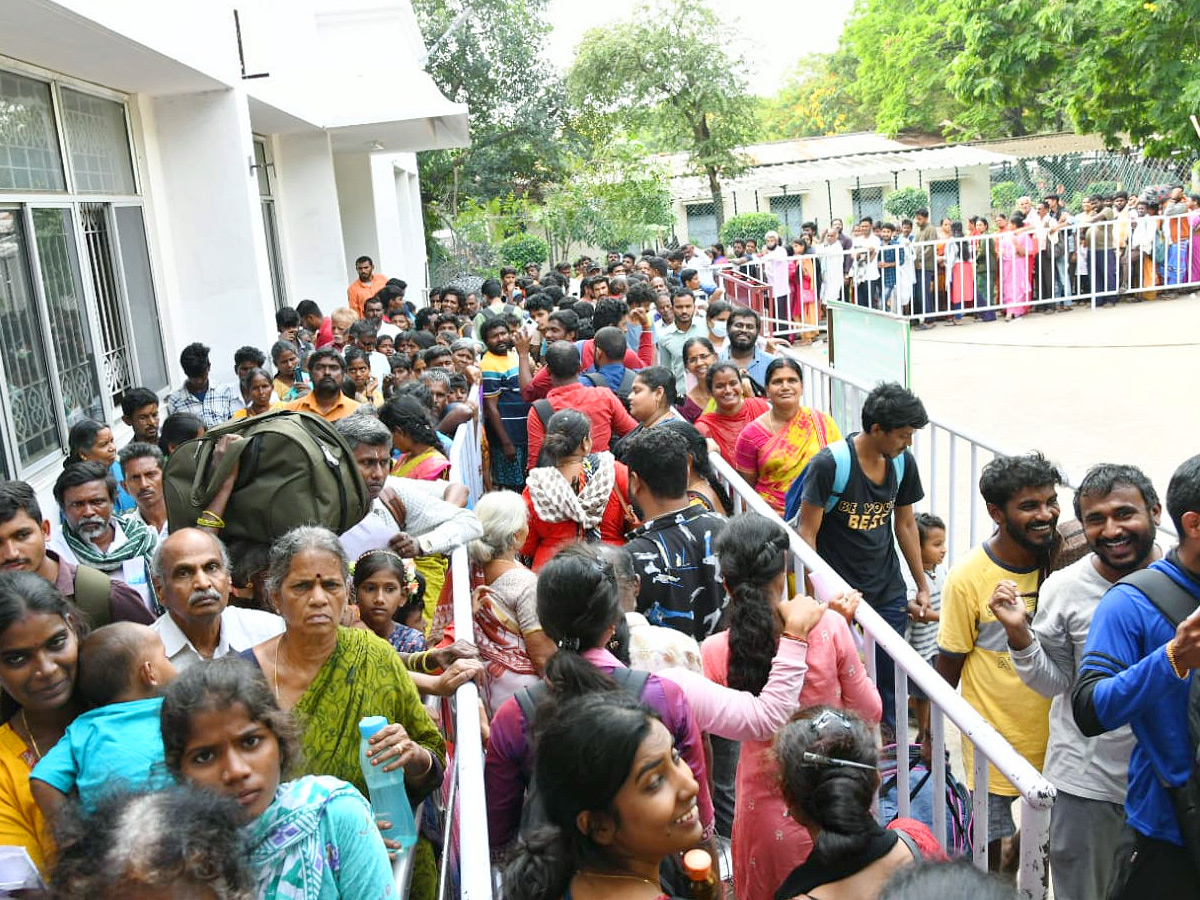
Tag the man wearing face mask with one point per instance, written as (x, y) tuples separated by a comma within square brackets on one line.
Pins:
[(92, 534), (326, 398)]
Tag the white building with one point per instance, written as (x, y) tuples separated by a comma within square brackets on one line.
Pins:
[(841, 176), (175, 171)]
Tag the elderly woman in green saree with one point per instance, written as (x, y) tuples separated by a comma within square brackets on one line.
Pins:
[(331, 677)]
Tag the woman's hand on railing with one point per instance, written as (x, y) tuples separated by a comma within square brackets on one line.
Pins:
[(445, 657), (846, 605), (458, 673)]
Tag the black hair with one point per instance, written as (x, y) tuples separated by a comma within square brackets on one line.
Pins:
[(585, 748), (655, 377), (458, 382), (609, 311), (491, 289), (422, 318), (445, 319), (698, 454), (1102, 478), (721, 365), (418, 391), (437, 351), (782, 362), (927, 522), (565, 432), (324, 353), (177, 428), (364, 259), (702, 341), (745, 312), (108, 658), (256, 372), (1183, 492), (540, 301), (281, 347), (659, 265), (562, 359), (81, 439), (308, 308), (286, 317), (194, 360), (135, 398), (375, 561), (248, 354), (490, 325), (837, 798), (80, 473), (400, 361), (568, 318), (180, 839), (891, 406), (577, 603), (717, 307), (752, 551), (1004, 476), (409, 416), (215, 686), (658, 456), (246, 560), (17, 497), (610, 340), (142, 450), (945, 881), (923, 211), (22, 593), (352, 354), (639, 292)]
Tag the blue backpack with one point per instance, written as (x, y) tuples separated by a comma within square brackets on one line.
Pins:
[(841, 476)]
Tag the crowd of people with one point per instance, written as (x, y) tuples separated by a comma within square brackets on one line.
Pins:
[(653, 679)]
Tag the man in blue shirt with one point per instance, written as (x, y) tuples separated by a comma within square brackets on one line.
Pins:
[(741, 348), (1137, 670)]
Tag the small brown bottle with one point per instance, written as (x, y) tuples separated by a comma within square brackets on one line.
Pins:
[(702, 876)]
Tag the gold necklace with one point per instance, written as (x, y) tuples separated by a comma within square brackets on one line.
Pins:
[(32, 740), (653, 884)]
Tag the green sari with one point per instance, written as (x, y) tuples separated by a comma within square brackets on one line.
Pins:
[(365, 677)]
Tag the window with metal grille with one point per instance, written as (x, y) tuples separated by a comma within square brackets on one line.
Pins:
[(790, 209)]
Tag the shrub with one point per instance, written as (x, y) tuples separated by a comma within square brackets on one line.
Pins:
[(1004, 196), (750, 225), (904, 202), (522, 249)]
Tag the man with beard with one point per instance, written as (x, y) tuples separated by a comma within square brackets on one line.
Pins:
[(1137, 669), (505, 411), (1021, 493), (326, 399), (366, 285), (142, 465), (23, 535), (191, 575), (742, 348), (1119, 510), (687, 325), (92, 534)]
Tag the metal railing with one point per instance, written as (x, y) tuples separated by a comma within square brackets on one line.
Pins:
[(988, 275), (1036, 793)]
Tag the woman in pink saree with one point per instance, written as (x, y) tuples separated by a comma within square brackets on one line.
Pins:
[(1018, 249), (1193, 205)]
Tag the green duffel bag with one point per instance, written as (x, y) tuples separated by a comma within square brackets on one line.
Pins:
[(295, 469)]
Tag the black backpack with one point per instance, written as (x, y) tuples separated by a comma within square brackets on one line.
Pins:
[(1176, 604), (622, 390)]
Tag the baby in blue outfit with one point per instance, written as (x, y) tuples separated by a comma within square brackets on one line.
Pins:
[(117, 743)]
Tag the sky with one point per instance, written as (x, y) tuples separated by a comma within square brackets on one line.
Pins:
[(775, 33)]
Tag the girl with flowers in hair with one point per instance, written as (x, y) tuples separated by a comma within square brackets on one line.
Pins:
[(387, 590)]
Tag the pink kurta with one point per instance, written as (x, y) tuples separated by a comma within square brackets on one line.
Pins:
[(1015, 270), (767, 844)]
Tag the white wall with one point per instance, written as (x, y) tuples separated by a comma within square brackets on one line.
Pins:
[(356, 199), (209, 223), (310, 220), (399, 221)]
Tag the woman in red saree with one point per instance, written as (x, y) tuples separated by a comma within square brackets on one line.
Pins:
[(734, 410)]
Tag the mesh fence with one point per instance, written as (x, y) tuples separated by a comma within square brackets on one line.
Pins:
[(1074, 176)]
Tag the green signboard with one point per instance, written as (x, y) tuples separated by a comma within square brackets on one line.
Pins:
[(868, 346)]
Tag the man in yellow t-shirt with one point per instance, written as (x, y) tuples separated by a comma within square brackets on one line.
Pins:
[(1021, 497)]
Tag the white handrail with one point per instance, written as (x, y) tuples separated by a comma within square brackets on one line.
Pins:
[(473, 849), (1037, 793)]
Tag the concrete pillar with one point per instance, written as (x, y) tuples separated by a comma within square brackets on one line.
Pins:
[(310, 221), (356, 204)]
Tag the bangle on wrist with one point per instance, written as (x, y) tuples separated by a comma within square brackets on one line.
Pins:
[(209, 519), (428, 768)]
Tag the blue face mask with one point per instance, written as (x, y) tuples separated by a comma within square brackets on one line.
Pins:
[(720, 329)]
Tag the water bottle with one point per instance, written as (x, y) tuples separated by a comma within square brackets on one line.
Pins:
[(389, 798)]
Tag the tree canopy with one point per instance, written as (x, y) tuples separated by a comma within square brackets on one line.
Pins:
[(667, 70)]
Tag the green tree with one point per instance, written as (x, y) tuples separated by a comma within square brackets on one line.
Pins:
[(516, 102), (668, 70), (815, 100), (904, 202), (749, 225), (522, 249), (612, 200)]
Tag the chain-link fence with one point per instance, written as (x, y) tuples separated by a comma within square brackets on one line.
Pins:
[(1074, 176)]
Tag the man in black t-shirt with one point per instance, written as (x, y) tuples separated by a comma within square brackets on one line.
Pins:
[(855, 536)]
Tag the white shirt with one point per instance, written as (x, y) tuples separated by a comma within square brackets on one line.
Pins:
[(438, 526), (162, 532), (241, 629)]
